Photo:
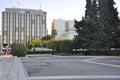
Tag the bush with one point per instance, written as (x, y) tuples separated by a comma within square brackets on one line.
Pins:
[(66, 46), (98, 52), (19, 50), (39, 52), (54, 45), (62, 47), (64, 54), (104, 52)]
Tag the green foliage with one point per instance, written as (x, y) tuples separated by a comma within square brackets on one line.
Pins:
[(29, 45), (109, 19), (99, 28), (103, 52), (45, 42), (61, 46), (39, 52), (54, 33), (53, 45), (47, 37), (66, 46), (35, 43), (89, 30), (19, 50)]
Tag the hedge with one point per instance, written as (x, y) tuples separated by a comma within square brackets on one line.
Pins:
[(65, 46), (62, 46), (39, 52), (98, 52)]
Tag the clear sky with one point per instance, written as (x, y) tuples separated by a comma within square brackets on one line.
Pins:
[(56, 9)]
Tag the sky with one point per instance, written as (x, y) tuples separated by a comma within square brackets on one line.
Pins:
[(56, 9)]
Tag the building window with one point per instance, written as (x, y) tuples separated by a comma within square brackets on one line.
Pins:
[(33, 21), (5, 32), (66, 26)]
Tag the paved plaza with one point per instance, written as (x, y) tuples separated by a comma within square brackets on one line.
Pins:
[(49, 67), (72, 68)]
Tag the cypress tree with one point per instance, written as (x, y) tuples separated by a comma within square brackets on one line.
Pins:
[(100, 28), (108, 16), (88, 28)]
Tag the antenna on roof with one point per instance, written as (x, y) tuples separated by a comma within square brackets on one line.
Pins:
[(40, 5), (12, 3), (18, 3)]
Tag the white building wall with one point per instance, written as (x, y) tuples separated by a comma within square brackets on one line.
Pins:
[(65, 29), (59, 26), (68, 35)]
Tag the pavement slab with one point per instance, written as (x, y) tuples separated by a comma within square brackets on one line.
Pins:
[(71, 68), (11, 68), (48, 67)]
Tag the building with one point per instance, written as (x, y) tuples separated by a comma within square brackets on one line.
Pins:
[(64, 29), (0, 43), (22, 25)]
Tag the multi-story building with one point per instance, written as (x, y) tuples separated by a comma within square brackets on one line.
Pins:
[(22, 25), (0, 43), (64, 29)]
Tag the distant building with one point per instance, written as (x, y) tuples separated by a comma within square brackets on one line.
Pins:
[(22, 25), (64, 28), (0, 43)]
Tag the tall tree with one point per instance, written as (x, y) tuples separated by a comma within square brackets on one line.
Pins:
[(88, 8), (109, 19), (100, 28), (89, 30)]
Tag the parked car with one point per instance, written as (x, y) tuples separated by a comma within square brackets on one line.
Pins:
[(8, 52)]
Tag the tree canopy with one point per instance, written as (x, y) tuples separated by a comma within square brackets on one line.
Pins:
[(35, 43), (99, 27)]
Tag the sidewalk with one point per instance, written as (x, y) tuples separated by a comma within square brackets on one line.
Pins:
[(11, 68)]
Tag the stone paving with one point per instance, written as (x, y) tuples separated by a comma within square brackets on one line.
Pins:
[(11, 68), (72, 68), (59, 68)]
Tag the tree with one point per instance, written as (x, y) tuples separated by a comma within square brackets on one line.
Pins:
[(35, 43), (53, 44), (47, 37), (89, 30), (54, 33), (109, 19), (65, 47), (88, 8), (99, 28)]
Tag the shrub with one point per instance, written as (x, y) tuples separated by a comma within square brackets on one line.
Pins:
[(54, 45), (39, 52), (104, 52), (99, 52), (61, 47), (19, 50), (66, 46)]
